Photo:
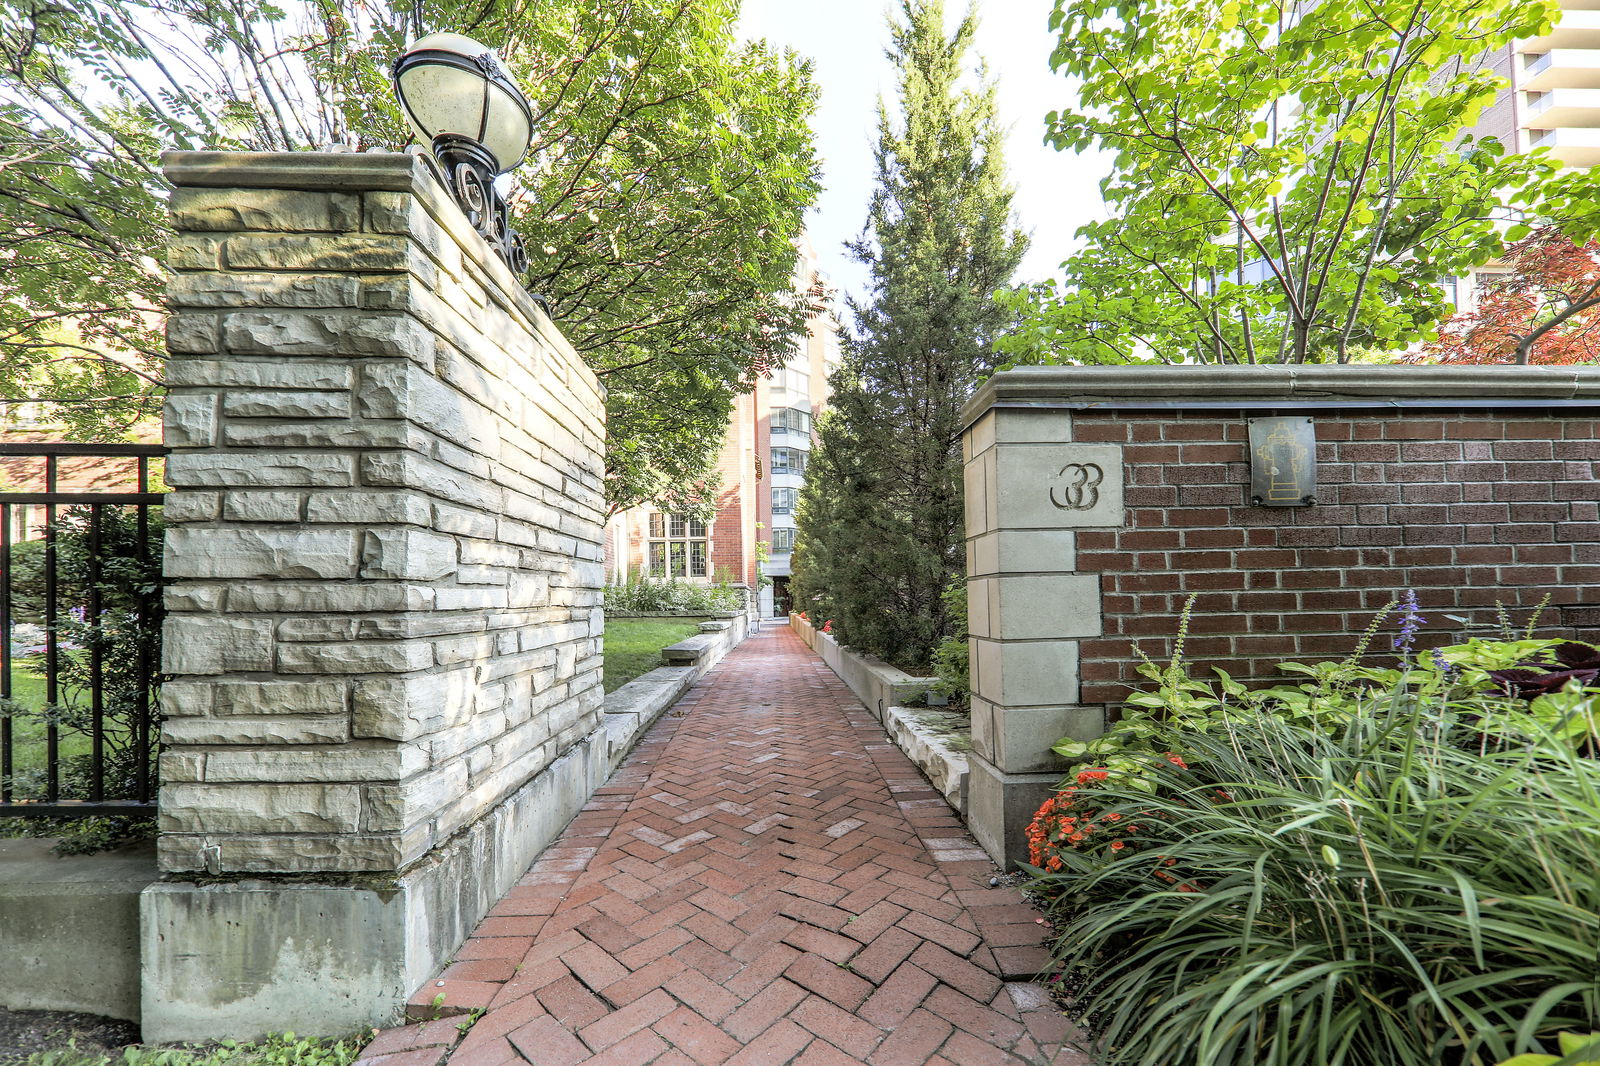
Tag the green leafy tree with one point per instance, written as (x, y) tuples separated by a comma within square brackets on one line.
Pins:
[(880, 518), (668, 178), (1291, 183)]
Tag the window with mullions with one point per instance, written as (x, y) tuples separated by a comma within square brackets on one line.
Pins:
[(679, 547), (792, 419), (788, 461), (782, 541), (783, 500)]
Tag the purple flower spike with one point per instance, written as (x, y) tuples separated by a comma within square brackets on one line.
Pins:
[(1410, 621)]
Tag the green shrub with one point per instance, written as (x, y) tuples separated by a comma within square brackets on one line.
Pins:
[(1385, 892), (1517, 690), (1372, 867), (673, 597), (950, 658)]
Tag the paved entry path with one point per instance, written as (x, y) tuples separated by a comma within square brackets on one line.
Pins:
[(767, 880)]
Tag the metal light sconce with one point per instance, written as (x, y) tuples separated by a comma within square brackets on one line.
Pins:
[(460, 101)]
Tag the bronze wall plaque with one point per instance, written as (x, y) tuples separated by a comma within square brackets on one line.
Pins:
[(1283, 461)]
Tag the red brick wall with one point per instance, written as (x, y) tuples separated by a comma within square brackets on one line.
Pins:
[(1466, 507)]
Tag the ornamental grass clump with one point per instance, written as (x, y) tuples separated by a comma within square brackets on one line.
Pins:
[(1381, 890)]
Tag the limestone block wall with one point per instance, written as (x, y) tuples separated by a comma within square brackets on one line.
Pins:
[(384, 545)]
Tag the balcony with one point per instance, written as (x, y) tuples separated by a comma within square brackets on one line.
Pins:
[(1574, 147), (1562, 108), (1574, 29), (1564, 68)]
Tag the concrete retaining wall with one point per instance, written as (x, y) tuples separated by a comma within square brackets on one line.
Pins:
[(70, 928)]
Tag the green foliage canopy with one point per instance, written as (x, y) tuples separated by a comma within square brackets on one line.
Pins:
[(669, 174), (1291, 181), (879, 520)]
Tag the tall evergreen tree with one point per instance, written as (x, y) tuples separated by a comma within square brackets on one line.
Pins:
[(880, 519)]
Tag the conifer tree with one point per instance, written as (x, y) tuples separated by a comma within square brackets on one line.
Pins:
[(880, 518)]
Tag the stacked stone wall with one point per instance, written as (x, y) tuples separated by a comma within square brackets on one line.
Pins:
[(384, 546)]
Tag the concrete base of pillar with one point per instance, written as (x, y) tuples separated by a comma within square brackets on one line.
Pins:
[(1000, 806), (245, 958)]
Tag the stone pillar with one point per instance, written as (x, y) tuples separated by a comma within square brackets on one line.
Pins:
[(384, 565), (1029, 488)]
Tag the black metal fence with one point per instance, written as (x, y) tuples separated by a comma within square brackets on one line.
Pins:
[(80, 629)]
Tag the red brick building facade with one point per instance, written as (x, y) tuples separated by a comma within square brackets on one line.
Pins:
[(761, 468)]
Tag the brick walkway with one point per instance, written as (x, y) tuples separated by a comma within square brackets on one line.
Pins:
[(767, 880)]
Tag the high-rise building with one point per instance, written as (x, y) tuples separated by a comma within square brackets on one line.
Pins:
[(762, 466), (1553, 100)]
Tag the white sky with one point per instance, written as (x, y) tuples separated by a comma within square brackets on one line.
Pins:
[(1056, 191)]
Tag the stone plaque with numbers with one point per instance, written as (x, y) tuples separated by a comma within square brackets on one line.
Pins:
[(1057, 486)]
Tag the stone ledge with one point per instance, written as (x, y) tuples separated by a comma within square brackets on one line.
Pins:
[(689, 652), (876, 684), (929, 740), (1172, 387)]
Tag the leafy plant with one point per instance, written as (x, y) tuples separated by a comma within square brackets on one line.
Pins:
[(1546, 309), (285, 1049), (1291, 183), (1379, 891), (1516, 691), (951, 659), (1576, 1050), (672, 165), (673, 597)]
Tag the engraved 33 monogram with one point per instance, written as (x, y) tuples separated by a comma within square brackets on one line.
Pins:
[(1077, 486)]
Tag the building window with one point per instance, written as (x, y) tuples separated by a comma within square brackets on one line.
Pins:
[(792, 419), (782, 540), (788, 461), (679, 546), (783, 500)]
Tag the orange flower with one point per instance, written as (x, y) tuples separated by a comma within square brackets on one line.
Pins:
[(1117, 845)]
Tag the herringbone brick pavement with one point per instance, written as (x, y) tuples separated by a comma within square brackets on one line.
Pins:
[(766, 880)]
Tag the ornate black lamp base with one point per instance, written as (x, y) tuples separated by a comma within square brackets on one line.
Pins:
[(470, 169)]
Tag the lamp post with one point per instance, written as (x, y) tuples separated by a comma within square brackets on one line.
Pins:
[(461, 102)]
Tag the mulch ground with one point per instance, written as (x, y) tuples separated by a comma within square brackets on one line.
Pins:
[(28, 1032)]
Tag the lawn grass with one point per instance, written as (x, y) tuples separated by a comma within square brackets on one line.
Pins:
[(28, 734), (633, 646)]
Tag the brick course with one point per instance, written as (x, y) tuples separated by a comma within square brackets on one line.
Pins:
[(1469, 508)]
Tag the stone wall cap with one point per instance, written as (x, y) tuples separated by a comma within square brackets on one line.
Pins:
[(413, 172), (341, 171), (1179, 386)]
